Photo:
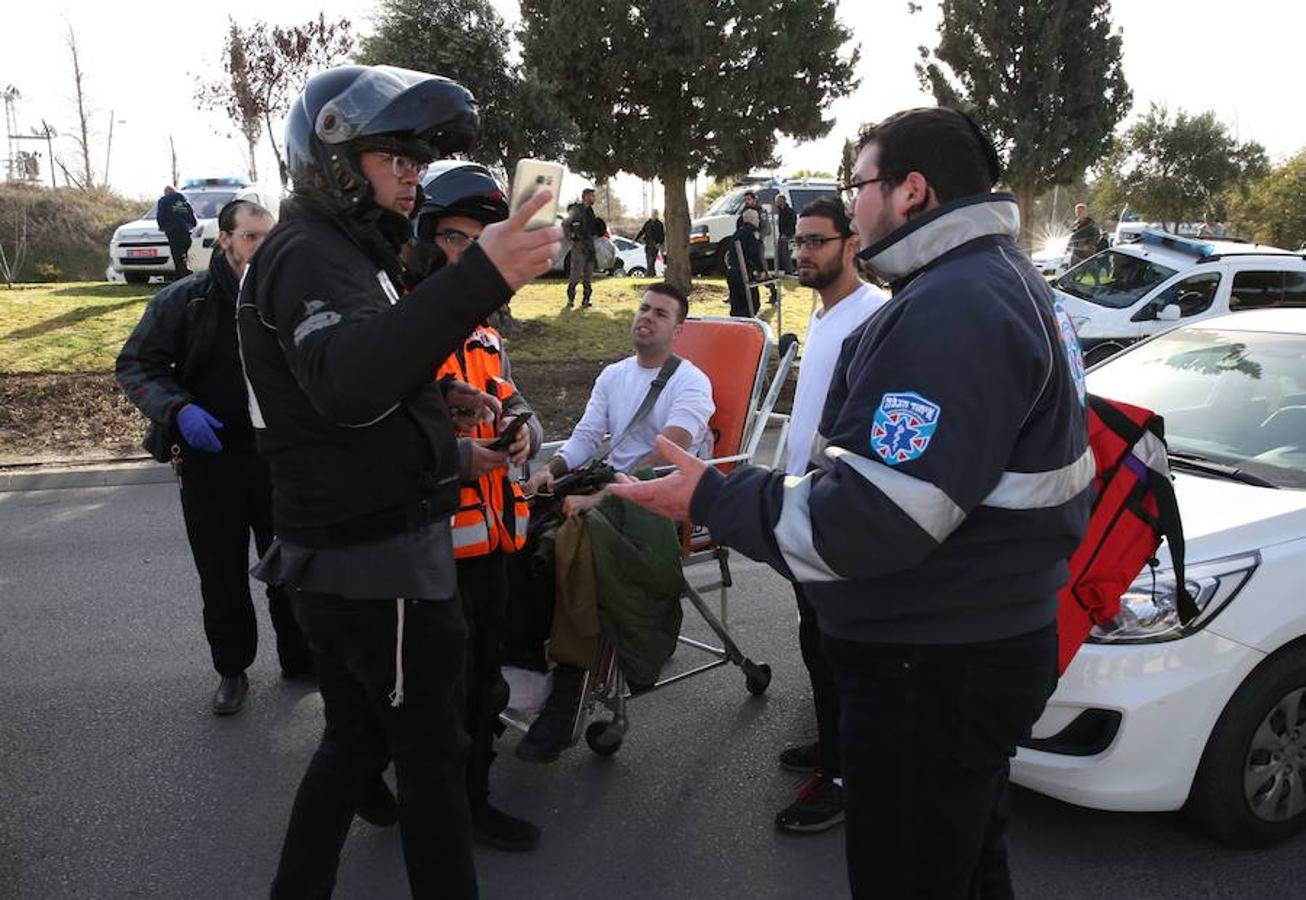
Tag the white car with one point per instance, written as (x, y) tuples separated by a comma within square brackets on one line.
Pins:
[(139, 248), (1054, 257), (631, 261), (1134, 290), (1152, 715)]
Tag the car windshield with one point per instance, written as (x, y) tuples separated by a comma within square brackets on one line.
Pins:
[(1113, 279), (1235, 398), (207, 204), (727, 204)]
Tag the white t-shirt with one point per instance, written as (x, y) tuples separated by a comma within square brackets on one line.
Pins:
[(825, 335), (686, 402)]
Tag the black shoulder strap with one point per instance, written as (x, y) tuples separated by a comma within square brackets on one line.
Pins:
[(646, 405)]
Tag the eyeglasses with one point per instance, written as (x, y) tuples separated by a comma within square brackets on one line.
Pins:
[(454, 238), (405, 166), (852, 188), (816, 241)]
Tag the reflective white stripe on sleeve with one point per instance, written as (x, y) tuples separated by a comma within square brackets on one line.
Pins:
[(924, 503), (793, 533), (1043, 490)]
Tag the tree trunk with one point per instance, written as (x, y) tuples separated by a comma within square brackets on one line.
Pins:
[(251, 144), (276, 151), (1025, 195), (675, 208)]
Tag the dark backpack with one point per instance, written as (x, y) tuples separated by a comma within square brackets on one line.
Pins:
[(1134, 509)]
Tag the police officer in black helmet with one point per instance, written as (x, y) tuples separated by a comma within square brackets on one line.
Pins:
[(360, 443)]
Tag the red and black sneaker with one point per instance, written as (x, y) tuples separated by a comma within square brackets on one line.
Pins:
[(819, 807)]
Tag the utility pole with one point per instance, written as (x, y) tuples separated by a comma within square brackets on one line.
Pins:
[(173, 150), (108, 150)]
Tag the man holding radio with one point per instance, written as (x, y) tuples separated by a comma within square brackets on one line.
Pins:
[(461, 200)]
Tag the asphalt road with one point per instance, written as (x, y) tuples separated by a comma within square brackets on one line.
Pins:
[(116, 781)]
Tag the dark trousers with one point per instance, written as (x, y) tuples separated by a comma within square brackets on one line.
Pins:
[(483, 586), (582, 272), (651, 255), (179, 246), (354, 649), (928, 732), (744, 300), (225, 496), (825, 695), (783, 260)]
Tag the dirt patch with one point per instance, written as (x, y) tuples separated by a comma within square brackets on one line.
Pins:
[(85, 416)]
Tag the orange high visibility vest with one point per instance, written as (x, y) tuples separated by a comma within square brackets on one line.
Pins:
[(492, 512)]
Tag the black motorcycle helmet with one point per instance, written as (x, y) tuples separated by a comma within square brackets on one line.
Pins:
[(453, 188), (349, 109)]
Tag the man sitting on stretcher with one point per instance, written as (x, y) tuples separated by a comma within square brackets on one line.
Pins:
[(649, 394)]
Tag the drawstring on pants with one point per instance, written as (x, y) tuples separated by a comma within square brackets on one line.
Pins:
[(397, 695)]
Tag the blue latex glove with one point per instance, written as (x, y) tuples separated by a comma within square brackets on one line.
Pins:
[(197, 428)]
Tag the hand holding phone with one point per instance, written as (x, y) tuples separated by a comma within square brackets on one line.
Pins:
[(530, 176), (509, 433)]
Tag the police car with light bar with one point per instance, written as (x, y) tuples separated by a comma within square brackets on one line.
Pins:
[(1135, 290)]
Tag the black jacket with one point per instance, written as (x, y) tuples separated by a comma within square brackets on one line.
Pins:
[(652, 233), (1085, 237), (786, 220), (354, 429), (183, 350), (174, 214), (746, 236)]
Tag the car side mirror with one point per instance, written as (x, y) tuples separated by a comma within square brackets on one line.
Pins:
[(1168, 313)]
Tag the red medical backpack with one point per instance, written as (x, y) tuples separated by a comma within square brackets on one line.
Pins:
[(1134, 507)]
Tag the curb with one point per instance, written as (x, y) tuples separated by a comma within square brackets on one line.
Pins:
[(57, 476)]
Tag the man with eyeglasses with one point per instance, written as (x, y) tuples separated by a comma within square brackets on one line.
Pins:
[(460, 200), (181, 367), (360, 440), (826, 250), (954, 483)]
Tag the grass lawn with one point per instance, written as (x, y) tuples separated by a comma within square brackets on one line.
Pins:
[(80, 327)]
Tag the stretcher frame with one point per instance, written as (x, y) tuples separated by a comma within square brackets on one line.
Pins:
[(743, 415)]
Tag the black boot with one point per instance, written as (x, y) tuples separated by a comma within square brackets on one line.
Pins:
[(230, 695), (551, 731)]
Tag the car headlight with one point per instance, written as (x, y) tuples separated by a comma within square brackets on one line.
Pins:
[(1148, 611)]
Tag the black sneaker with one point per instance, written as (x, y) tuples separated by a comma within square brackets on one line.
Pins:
[(495, 828), (803, 759), (819, 807), (551, 731)]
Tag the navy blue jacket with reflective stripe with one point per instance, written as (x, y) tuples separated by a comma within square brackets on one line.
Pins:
[(951, 475)]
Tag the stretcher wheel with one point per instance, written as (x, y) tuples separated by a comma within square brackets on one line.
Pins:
[(603, 740), (757, 677)]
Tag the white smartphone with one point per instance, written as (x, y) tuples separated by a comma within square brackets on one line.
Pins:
[(530, 176)]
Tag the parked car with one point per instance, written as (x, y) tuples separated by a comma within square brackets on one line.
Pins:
[(631, 260), (605, 253), (1133, 290), (1209, 717), (1053, 259), (139, 250), (709, 235)]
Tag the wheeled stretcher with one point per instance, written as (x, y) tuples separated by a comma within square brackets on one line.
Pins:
[(736, 355)]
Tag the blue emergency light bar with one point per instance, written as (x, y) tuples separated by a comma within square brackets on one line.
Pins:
[(220, 181), (1176, 243)]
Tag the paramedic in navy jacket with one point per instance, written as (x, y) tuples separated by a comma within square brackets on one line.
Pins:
[(952, 484)]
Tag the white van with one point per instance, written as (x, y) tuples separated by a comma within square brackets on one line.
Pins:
[(1134, 290), (139, 250), (710, 233)]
